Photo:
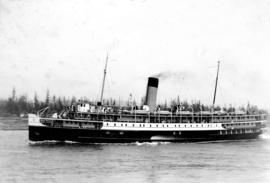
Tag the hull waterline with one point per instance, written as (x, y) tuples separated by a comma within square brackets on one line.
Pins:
[(116, 136)]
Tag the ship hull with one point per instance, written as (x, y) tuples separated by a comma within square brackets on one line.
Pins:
[(42, 133)]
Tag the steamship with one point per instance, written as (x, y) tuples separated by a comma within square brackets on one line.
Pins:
[(99, 123)]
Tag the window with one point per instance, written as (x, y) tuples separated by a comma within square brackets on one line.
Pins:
[(114, 124), (133, 125)]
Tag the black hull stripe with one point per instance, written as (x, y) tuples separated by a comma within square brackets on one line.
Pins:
[(104, 136)]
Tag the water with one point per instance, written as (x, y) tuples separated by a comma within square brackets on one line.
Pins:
[(230, 161)]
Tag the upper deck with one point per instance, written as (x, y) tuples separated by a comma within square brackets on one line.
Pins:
[(86, 112), (165, 118)]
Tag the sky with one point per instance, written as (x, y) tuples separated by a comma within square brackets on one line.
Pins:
[(61, 45)]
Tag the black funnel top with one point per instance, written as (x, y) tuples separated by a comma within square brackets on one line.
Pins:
[(153, 82)]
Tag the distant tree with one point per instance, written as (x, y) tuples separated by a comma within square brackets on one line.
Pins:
[(134, 102), (231, 109), (196, 105), (205, 108), (59, 104), (224, 109), (47, 100), (73, 100), (54, 99), (173, 103), (242, 108), (217, 108), (165, 104), (9, 106), (3, 104), (36, 102), (143, 100), (65, 102), (178, 100), (13, 94), (22, 104), (107, 102), (254, 109)]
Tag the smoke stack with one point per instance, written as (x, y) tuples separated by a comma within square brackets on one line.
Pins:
[(151, 93)]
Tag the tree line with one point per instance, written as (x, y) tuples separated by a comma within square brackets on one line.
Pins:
[(18, 105)]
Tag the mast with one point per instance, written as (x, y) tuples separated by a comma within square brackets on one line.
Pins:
[(103, 82), (214, 99)]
